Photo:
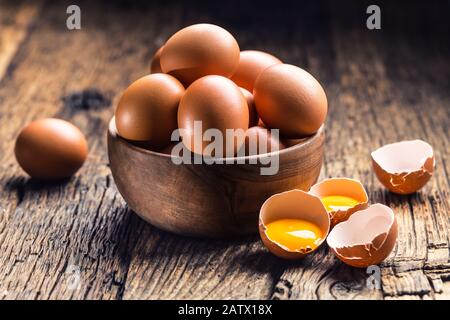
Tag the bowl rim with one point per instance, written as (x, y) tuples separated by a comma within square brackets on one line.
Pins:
[(112, 131)]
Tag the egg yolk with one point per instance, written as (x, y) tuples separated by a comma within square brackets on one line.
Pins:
[(334, 203), (294, 234)]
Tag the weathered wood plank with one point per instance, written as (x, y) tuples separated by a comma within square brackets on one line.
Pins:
[(47, 231), (379, 88), (83, 224), (375, 101), (15, 21)]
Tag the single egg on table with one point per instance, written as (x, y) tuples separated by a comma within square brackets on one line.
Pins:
[(404, 167), (147, 111), (200, 50), (341, 197), (50, 149), (293, 224), (290, 99), (252, 114), (366, 238), (251, 64), (213, 102)]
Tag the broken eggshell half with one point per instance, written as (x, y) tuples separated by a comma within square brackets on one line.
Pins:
[(404, 167), (293, 204), (366, 238), (341, 187)]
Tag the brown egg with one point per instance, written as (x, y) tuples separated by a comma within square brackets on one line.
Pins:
[(290, 99), (219, 104), (341, 196), (251, 64), (252, 114), (50, 149), (259, 141), (404, 167), (155, 65), (366, 238), (291, 207), (200, 50), (147, 110)]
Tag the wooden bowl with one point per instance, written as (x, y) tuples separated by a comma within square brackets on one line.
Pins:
[(207, 200)]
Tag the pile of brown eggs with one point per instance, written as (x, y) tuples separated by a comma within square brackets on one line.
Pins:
[(200, 74)]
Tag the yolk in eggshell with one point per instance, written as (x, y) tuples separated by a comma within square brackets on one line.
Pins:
[(334, 203), (294, 234)]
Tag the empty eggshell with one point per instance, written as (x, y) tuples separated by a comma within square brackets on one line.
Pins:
[(50, 149), (259, 140), (290, 99), (200, 50), (251, 64), (366, 238), (341, 187), (294, 204), (214, 102), (147, 110), (155, 65), (252, 114), (404, 167)]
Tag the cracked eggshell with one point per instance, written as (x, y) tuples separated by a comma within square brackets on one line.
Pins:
[(366, 238), (342, 187), (200, 50), (294, 204), (404, 167)]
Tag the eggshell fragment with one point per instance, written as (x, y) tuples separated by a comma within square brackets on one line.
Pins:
[(404, 167), (366, 238), (290, 99), (200, 50), (155, 65), (252, 114), (50, 149), (341, 187), (147, 110), (251, 64), (294, 204)]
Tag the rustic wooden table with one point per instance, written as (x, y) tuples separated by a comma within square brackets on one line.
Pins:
[(78, 240)]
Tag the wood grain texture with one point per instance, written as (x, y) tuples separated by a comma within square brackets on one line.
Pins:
[(383, 86)]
